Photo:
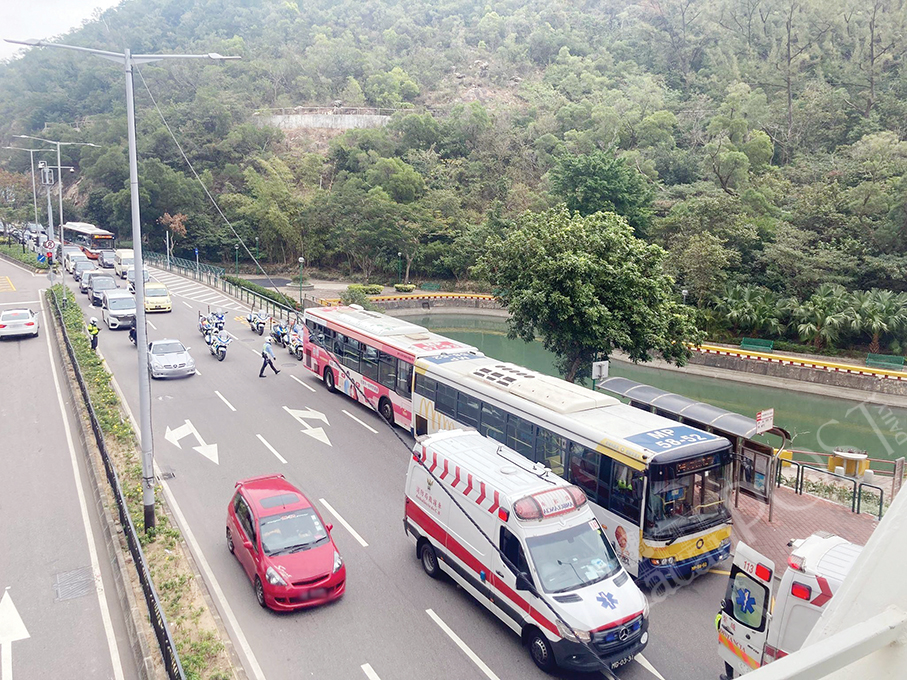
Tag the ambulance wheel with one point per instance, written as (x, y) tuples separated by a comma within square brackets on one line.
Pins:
[(386, 409), (329, 378), (429, 560), (540, 649)]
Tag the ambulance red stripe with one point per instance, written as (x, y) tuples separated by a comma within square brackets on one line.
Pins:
[(481, 493), (445, 473), (456, 477), (496, 503), (468, 485)]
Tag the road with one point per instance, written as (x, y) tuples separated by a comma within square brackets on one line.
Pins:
[(59, 614), (386, 625)]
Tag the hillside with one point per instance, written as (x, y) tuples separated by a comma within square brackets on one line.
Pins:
[(760, 141)]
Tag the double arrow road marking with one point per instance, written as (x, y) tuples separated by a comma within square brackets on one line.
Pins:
[(209, 451), (314, 432), (12, 629)]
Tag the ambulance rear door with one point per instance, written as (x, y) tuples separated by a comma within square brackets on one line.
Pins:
[(746, 610)]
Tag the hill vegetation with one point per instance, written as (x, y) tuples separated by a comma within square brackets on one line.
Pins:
[(759, 142)]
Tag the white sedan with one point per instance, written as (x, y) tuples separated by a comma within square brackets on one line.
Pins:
[(169, 359), (15, 322)]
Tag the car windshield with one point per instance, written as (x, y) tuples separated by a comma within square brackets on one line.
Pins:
[(16, 316), (121, 303), (572, 558), (155, 292), (84, 266), (679, 504), (292, 531), (102, 283), (78, 257), (167, 348)]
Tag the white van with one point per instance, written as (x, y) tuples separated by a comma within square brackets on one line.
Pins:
[(118, 309), (752, 632), (544, 526), (123, 259)]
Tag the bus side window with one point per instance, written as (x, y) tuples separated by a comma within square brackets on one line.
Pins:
[(425, 386), (584, 470), (369, 362), (519, 435), (446, 400), (468, 409), (387, 370), (550, 449), (626, 492), (494, 422), (404, 378)]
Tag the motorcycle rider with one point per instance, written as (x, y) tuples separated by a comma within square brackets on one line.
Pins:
[(267, 356), (132, 334), (93, 331)]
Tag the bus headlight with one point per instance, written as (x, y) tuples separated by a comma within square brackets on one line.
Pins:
[(581, 635)]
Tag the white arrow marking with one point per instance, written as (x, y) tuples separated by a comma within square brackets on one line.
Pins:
[(314, 432), (12, 629), (209, 451)]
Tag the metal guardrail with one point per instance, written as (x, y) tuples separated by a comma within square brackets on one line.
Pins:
[(172, 664), (856, 497), (205, 273), (860, 496)]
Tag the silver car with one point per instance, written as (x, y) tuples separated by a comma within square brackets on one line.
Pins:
[(169, 359), (80, 268), (14, 322)]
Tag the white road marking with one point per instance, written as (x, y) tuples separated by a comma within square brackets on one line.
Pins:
[(86, 522), (343, 522), (216, 590), (272, 449), (310, 389), (644, 662), (369, 671), (196, 372), (150, 324), (187, 304), (360, 422), (224, 399), (24, 302), (462, 645), (208, 297)]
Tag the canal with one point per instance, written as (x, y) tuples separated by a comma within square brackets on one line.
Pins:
[(816, 423)]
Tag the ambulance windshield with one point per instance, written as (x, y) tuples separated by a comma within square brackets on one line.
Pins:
[(572, 558)]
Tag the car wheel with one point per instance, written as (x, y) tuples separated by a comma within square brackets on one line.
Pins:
[(429, 560), (230, 545), (260, 593), (540, 650), (329, 378), (386, 409)]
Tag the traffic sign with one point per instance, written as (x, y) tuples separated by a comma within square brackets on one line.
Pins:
[(42, 257), (50, 245), (765, 420)]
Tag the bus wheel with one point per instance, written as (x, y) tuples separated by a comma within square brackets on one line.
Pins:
[(386, 409), (329, 378), (540, 649), (429, 560)]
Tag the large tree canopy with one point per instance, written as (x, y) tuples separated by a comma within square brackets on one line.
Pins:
[(586, 286)]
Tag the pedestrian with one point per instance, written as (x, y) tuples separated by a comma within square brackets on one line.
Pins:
[(93, 331), (267, 356)]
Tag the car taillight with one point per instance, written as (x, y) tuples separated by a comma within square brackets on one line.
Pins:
[(801, 590), (763, 573), (2, 325), (30, 323)]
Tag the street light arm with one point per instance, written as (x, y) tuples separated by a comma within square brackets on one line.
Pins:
[(117, 56), (50, 141), (146, 58), (41, 43)]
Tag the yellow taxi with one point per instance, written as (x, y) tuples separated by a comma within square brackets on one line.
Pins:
[(157, 297)]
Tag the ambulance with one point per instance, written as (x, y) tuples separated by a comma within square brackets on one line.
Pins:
[(751, 631), (566, 595)]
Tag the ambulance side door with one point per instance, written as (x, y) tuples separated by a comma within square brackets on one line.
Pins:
[(746, 610), (509, 583)]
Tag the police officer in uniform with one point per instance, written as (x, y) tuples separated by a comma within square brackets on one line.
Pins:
[(267, 356), (93, 331)]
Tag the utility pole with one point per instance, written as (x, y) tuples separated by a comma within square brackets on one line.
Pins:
[(128, 61), (47, 179)]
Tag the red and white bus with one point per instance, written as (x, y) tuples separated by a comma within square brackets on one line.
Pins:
[(91, 239), (376, 352)]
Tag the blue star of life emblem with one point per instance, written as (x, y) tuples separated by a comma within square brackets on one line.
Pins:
[(608, 601), (745, 601)]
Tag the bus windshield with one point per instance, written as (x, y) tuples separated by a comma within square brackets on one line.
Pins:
[(682, 500), (572, 558)]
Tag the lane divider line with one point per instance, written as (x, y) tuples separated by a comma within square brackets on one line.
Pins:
[(24, 302), (224, 399), (343, 522), (271, 449), (462, 645), (369, 671), (186, 303), (644, 662), (83, 507), (308, 387), (372, 430), (150, 324)]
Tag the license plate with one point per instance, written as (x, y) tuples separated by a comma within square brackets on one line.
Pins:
[(622, 662), (701, 565)]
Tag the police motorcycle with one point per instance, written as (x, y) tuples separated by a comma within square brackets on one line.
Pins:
[(217, 318), (205, 326), (218, 344), (257, 321), (280, 334), (294, 342)]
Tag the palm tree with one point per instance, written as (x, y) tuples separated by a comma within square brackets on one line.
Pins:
[(751, 309), (877, 312), (820, 319)]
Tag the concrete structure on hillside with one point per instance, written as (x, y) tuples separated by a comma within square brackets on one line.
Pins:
[(324, 117)]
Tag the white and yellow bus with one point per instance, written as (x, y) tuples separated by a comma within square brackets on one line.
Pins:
[(660, 489)]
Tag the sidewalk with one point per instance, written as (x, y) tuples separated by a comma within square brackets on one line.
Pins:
[(794, 516)]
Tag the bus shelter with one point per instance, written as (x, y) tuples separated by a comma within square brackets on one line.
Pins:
[(755, 462)]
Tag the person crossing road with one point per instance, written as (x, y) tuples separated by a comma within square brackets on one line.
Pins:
[(267, 356), (93, 331)]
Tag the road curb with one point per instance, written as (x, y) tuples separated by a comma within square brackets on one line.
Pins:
[(136, 620)]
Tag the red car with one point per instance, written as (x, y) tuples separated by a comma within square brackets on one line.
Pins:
[(283, 544)]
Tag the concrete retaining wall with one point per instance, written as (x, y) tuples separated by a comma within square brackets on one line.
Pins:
[(463, 304), (322, 121)]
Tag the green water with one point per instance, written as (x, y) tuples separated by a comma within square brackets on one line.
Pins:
[(816, 423)]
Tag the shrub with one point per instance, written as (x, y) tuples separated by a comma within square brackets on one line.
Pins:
[(28, 257), (272, 295), (404, 287), (355, 295), (367, 288)]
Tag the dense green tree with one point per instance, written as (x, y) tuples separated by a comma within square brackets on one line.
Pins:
[(587, 287)]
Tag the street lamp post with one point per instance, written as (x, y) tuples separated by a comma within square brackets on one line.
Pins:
[(59, 170), (257, 256), (399, 267), (128, 60), (34, 192), (236, 251), (684, 292), (301, 263), (47, 179)]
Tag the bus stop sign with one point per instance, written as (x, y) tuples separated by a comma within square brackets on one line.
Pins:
[(765, 420)]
